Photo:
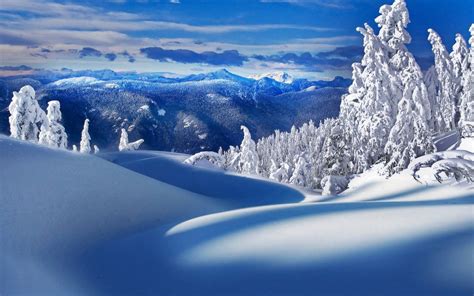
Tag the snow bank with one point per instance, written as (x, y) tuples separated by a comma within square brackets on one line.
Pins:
[(236, 189), (56, 203), (367, 248)]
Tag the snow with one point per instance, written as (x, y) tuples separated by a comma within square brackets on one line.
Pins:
[(277, 76), (141, 222), (57, 203), (144, 108), (111, 85), (202, 136), (75, 81), (161, 112)]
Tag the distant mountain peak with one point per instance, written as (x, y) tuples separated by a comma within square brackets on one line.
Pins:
[(280, 76)]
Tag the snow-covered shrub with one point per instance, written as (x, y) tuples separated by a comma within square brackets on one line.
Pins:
[(124, 145), (457, 163), (96, 149), (85, 145), (52, 131), (334, 184), (26, 115), (280, 174), (213, 157)]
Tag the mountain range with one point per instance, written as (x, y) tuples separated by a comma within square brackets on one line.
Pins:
[(184, 114)]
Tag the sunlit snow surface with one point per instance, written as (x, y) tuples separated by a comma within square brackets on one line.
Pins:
[(143, 223)]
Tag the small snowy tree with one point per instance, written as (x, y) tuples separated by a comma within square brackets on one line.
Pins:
[(300, 172), (74, 148), (85, 145), (248, 160), (26, 115), (52, 132), (124, 145), (96, 149)]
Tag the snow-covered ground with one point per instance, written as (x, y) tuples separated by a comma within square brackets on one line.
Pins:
[(139, 223)]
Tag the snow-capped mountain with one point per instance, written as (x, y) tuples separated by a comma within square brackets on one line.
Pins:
[(282, 77), (186, 114)]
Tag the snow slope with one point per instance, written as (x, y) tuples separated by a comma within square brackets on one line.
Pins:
[(55, 203), (142, 223), (404, 244), (237, 189)]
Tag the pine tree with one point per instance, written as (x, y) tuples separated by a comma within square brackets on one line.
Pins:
[(446, 96), (124, 145), (376, 109), (26, 115), (85, 145), (52, 132), (466, 105), (248, 155)]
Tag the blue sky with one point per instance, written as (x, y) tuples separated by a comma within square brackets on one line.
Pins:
[(307, 38)]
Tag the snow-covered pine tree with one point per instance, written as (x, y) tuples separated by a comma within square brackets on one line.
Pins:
[(124, 145), (85, 145), (96, 149), (410, 136), (248, 162), (446, 96), (376, 110), (432, 83), (459, 57), (52, 131), (26, 115), (300, 173), (466, 105)]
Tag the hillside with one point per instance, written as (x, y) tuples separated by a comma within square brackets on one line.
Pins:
[(184, 114)]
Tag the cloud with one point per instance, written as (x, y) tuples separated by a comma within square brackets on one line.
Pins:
[(348, 52), (340, 58), (89, 52), (131, 58), (15, 68), (175, 1), (338, 4), (110, 56), (228, 57)]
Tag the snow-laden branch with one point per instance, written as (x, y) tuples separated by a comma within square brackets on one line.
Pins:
[(458, 164), (213, 157)]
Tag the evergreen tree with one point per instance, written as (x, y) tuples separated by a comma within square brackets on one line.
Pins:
[(466, 105), (124, 145), (25, 115), (52, 132), (85, 145), (248, 161), (446, 96)]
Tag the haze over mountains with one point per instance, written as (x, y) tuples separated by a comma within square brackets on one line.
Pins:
[(185, 114)]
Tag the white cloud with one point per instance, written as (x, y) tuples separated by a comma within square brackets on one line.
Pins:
[(175, 1)]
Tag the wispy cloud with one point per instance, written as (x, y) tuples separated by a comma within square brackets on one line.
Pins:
[(338, 4)]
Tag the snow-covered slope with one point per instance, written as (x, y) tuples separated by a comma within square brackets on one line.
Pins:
[(239, 190), (400, 243), (55, 203), (141, 223)]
